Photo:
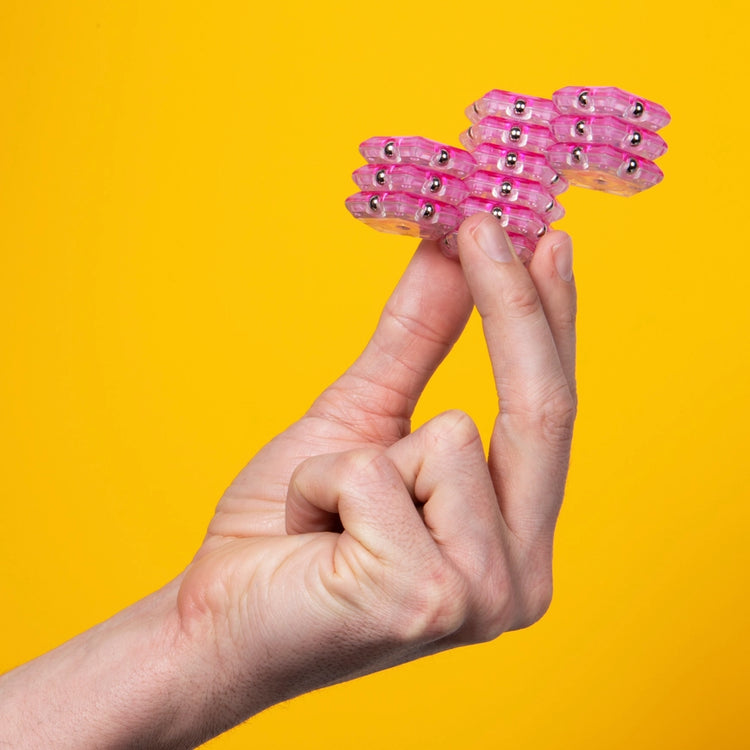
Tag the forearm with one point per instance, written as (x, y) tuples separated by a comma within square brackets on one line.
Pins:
[(132, 681)]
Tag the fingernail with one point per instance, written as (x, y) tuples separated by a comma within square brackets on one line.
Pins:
[(562, 254), (491, 238)]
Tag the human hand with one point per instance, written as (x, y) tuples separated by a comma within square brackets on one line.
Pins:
[(349, 544)]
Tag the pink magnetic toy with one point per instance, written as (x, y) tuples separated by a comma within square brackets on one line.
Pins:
[(516, 190), (608, 100), (406, 178), (521, 152), (516, 161), (609, 130), (499, 103), (603, 167), (422, 152), (516, 219), (506, 132), (401, 213)]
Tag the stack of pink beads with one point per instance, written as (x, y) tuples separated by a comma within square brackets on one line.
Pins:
[(411, 186), (522, 152), (509, 138), (607, 139)]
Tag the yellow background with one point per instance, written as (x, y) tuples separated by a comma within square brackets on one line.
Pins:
[(180, 278)]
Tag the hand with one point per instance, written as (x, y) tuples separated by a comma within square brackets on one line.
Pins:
[(438, 547), (349, 543)]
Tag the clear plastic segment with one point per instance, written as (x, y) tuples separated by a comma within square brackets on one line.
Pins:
[(499, 103), (517, 219), (515, 161), (507, 132), (602, 167), (613, 131), (609, 100), (407, 178), (515, 190), (400, 213), (413, 149)]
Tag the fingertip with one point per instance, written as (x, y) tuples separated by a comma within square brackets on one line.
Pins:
[(554, 257), (466, 230), (483, 232)]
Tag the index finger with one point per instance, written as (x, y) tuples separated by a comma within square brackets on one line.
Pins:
[(531, 441), (421, 321)]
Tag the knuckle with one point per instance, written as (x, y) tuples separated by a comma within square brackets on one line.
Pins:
[(436, 606), (498, 604), (536, 600), (558, 416), (493, 600), (565, 320), (521, 300), (548, 411), (454, 427), (363, 466), (412, 323)]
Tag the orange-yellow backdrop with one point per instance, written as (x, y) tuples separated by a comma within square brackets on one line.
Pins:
[(180, 279)]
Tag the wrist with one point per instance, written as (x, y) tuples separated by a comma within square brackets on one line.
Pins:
[(135, 680)]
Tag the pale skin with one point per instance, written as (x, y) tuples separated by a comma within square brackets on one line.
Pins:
[(349, 543)]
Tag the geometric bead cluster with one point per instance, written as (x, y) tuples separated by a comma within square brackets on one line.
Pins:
[(521, 152)]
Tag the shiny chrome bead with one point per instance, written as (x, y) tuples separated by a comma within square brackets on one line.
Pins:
[(380, 177), (515, 134), (435, 185), (389, 149), (511, 159), (519, 106)]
